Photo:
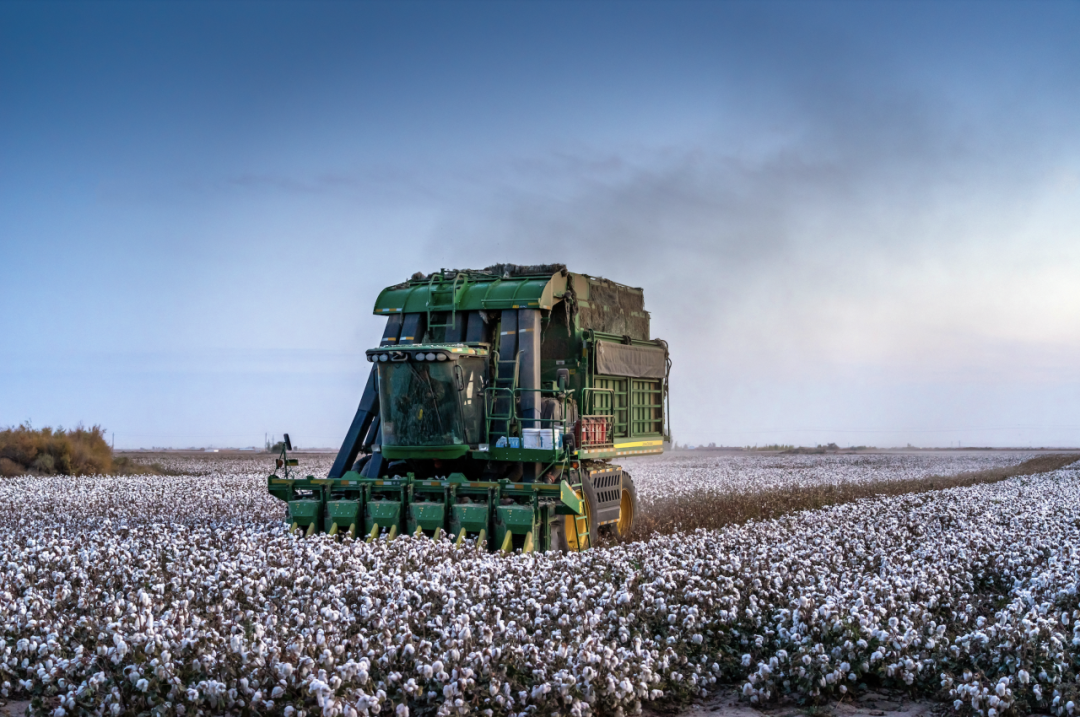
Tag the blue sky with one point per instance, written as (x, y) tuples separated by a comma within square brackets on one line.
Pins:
[(854, 222)]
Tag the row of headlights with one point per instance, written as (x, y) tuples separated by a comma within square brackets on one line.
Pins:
[(419, 356)]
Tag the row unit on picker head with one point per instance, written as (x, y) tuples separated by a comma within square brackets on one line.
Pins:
[(496, 401)]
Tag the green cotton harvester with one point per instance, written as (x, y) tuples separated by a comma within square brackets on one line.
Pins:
[(496, 402)]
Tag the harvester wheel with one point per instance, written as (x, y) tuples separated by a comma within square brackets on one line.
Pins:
[(627, 508), (577, 531)]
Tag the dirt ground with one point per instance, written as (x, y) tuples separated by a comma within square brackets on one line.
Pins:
[(726, 703), (881, 703)]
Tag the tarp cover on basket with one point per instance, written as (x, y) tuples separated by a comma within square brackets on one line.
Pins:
[(614, 359)]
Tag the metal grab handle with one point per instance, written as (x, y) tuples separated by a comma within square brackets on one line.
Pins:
[(587, 394)]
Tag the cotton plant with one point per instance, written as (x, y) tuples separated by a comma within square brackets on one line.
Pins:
[(185, 595)]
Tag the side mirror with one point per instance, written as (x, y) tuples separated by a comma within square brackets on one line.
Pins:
[(288, 443), (563, 378)]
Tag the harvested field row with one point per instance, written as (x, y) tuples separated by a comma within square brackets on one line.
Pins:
[(761, 488)]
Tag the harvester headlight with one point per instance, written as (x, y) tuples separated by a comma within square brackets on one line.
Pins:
[(419, 356), (431, 357), (384, 357), (441, 357)]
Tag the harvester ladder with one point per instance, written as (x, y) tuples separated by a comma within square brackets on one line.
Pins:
[(502, 402), (438, 292)]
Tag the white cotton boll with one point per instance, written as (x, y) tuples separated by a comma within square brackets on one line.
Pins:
[(957, 704), (142, 685), (402, 711), (221, 574)]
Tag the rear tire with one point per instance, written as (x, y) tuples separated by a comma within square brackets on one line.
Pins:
[(627, 508)]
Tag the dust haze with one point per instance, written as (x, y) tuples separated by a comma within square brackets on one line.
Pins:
[(876, 267)]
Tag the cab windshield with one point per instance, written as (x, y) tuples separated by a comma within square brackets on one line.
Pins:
[(431, 403)]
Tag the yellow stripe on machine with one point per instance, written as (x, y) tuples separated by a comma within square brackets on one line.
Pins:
[(638, 444)]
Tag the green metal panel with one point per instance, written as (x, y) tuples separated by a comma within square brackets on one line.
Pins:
[(305, 513), (542, 455), (343, 512), (646, 407), (472, 517), (603, 402), (443, 452), (384, 512), (570, 499), (516, 519), (492, 293), (428, 515)]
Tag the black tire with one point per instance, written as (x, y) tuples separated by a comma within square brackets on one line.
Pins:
[(624, 529)]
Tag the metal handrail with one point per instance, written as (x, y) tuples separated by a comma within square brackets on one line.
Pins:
[(513, 418), (587, 394), (453, 298)]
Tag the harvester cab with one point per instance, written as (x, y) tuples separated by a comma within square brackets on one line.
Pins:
[(495, 403)]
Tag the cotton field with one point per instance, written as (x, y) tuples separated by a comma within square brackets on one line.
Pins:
[(184, 595)]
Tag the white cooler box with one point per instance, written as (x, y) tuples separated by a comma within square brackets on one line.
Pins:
[(543, 438)]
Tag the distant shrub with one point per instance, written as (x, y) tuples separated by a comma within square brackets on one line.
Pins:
[(79, 451)]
